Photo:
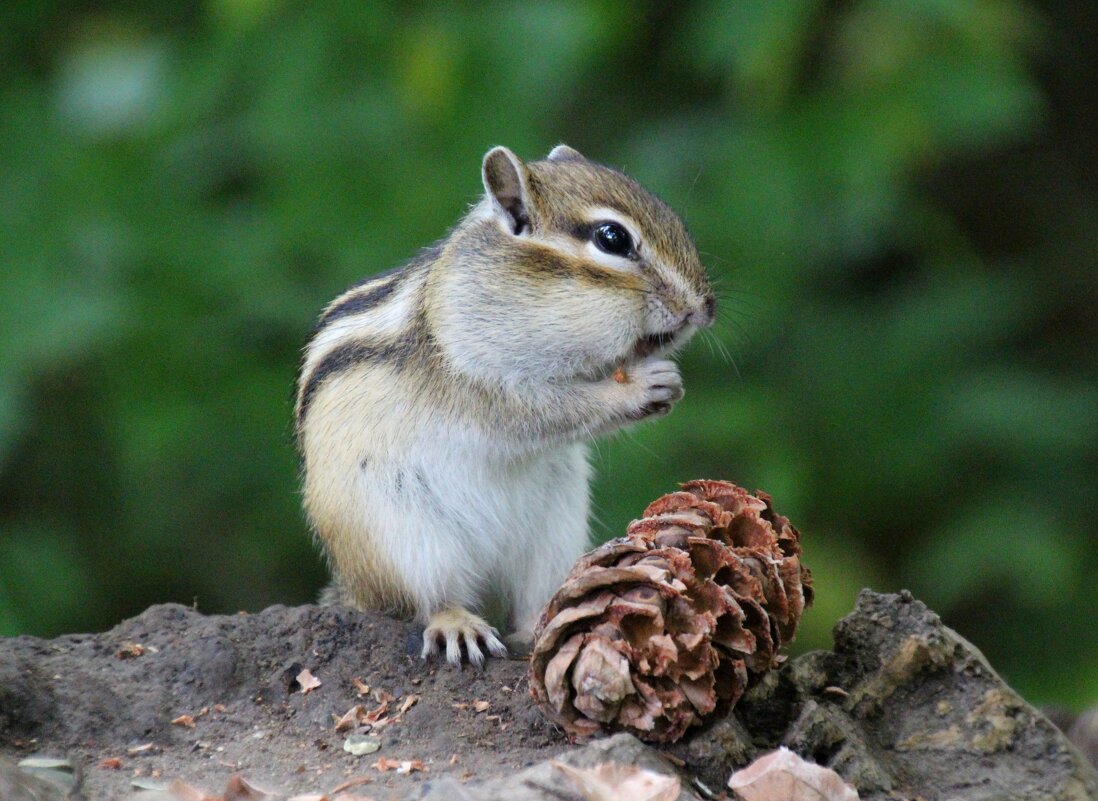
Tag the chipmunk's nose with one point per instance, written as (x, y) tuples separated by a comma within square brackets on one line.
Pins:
[(706, 314)]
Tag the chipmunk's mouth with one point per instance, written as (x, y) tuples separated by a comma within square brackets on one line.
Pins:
[(654, 343), (642, 348), (651, 343)]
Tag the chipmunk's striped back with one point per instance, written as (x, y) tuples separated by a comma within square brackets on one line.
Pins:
[(374, 320)]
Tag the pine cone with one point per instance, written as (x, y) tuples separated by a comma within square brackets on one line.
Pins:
[(659, 630)]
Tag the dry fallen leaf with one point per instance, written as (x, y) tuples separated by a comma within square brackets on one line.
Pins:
[(408, 702), (351, 718), (385, 764), (184, 720), (360, 686), (111, 763), (614, 782), (480, 706), (378, 712), (784, 776), (130, 650), (307, 681)]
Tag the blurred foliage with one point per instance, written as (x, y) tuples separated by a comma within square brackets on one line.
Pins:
[(897, 199)]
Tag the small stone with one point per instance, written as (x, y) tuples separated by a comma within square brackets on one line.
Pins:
[(361, 744)]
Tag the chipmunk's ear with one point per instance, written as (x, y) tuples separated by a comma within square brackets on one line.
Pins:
[(505, 178), (565, 153)]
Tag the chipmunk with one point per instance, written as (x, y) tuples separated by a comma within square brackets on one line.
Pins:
[(443, 408)]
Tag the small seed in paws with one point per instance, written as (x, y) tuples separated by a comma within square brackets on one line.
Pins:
[(620, 375)]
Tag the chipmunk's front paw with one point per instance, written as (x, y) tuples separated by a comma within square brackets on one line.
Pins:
[(656, 385), (457, 627)]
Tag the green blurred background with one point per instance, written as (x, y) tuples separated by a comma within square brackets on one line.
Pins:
[(898, 200)]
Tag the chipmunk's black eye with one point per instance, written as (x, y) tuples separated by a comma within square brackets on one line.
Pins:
[(612, 238)]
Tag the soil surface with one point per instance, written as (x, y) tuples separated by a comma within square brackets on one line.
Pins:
[(107, 702), (902, 708)]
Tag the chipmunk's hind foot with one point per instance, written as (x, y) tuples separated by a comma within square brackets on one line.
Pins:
[(458, 627)]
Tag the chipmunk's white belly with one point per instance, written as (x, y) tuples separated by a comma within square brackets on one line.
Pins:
[(461, 524)]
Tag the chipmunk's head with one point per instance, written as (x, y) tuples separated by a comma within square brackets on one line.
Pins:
[(587, 269)]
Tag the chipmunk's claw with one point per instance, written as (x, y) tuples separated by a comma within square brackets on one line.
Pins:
[(457, 627)]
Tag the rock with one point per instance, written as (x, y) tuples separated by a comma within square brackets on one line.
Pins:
[(905, 707), (1084, 733), (709, 756), (19, 785)]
